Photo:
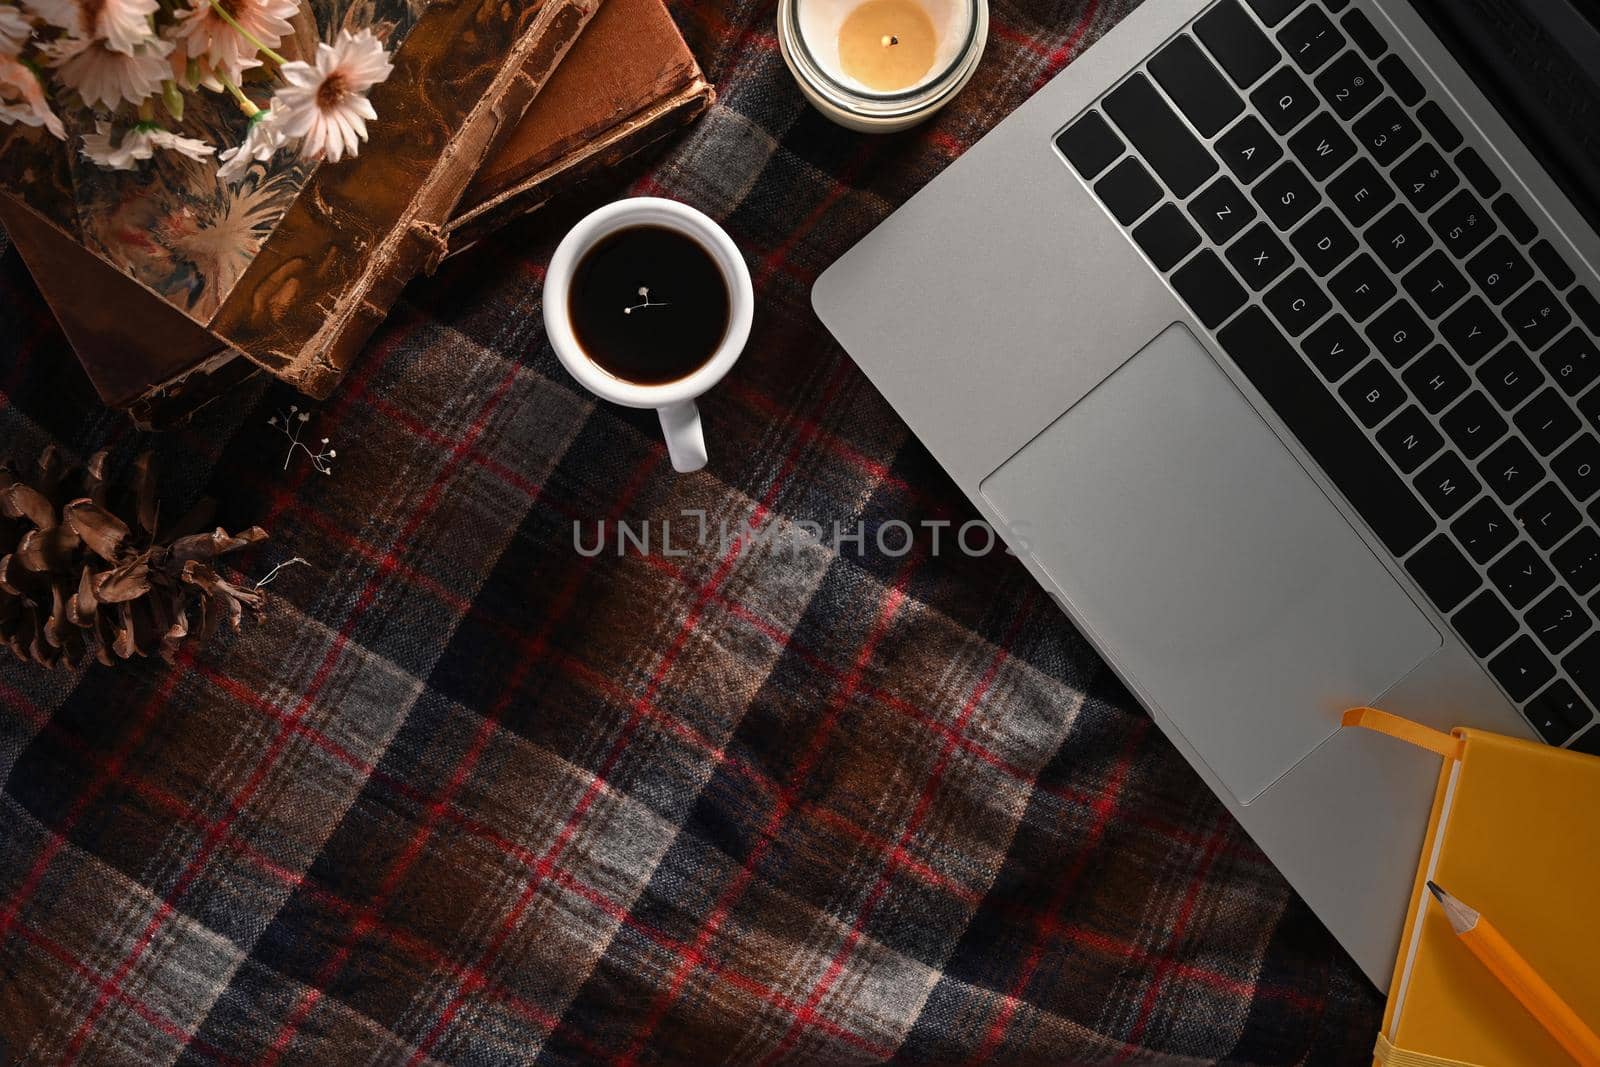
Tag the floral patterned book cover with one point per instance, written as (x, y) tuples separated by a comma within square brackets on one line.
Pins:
[(274, 169)]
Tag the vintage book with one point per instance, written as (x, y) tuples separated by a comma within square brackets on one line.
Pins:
[(1513, 833), (628, 81), (297, 263)]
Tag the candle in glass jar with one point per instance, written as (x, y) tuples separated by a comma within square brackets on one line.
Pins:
[(884, 46)]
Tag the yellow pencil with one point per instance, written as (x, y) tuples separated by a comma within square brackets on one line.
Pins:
[(1519, 977)]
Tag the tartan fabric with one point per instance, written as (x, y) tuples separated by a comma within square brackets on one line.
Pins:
[(472, 796)]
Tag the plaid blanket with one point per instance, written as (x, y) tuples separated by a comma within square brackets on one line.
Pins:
[(484, 789)]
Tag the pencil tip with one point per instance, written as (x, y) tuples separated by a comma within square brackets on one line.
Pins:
[(1438, 894)]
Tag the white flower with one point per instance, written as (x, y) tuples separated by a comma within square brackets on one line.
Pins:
[(14, 31), (138, 143), (123, 25), (22, 98), (105, 76), (264, 137), (325, 105), (205, 36)]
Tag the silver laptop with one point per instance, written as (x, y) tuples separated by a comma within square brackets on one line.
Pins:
[(1270, 346)]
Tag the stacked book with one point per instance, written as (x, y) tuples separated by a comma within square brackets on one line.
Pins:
[(163, 322)]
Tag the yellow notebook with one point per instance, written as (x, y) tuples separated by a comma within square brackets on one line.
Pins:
[(1515, 832)]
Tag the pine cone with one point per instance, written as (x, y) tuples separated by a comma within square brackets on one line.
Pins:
[(87, 567)]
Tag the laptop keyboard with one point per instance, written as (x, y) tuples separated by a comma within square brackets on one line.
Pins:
[(1394, 303)]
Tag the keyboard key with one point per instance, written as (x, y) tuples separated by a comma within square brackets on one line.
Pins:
[(1249, 149), (1284, 100), (1515, 219), (1322, 146), (1511, 470), (1196, 86), (1477, 172), (1334, 347), (1462, 224), (1401, 80), (1437, 379), (1233, 38), (1590, 408), (1398, 238), (1372, 393), (1127, 190), (1551, 265), (1273, 12), (1326, 432), (1484, 624), (1499, 269), (1259, 256), (1362, 287), (1435, 284), (1399, 333), (1578, 467), (1522, 669), (1547, 422), (1410, 439), (1424, 177), (1210, 290), (1348, 85), (1444, 573), (1386, 131), (1310, 39), (1510, 377), (1583, 664), (1558, 713), (1573, 361), (1474, 425), (1579, 561), (1360, 192), (1537, 315), (1182, 162), (1324, 242), (1484, 530), (1166, 237), (1222, 210), (1472, 330), (1286, 195), (1439, 126), (1297, 302), (1521, 575), (1364, 34), (1090, 145), (1586, 307), (1558, 620), (1548, 516), (1447, 485)]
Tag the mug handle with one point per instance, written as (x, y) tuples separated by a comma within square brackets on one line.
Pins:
[(686, 441)]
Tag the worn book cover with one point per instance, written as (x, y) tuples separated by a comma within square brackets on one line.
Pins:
[(629, 80), (295, 265)]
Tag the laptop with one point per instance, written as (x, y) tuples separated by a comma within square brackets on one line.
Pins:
[(1269, 345)]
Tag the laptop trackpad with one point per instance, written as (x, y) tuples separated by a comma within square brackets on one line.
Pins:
[(1209, 564)]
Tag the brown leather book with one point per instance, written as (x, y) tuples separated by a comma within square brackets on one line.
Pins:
[(627, 81)]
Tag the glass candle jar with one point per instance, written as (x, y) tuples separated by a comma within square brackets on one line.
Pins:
[(881, 65)]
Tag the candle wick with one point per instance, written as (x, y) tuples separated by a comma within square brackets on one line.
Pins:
[(889, 40), (644, 291)]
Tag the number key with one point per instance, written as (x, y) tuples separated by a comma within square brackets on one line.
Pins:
[(1462, 224), (1348, 85), (1386, 131), (1578, 467), (1499, 269), (1310, 39), (1573, 362), (1537, 315), (1424, 177)]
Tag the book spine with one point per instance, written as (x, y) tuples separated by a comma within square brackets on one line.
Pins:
[(286, 318)]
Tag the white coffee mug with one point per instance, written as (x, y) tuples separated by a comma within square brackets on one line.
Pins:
[(673, 401)]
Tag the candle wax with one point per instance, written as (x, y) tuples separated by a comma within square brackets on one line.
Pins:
[(887, 45)]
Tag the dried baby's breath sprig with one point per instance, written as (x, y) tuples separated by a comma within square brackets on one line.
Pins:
[(291, 424)]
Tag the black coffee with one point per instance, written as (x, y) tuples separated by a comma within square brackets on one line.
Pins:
[(648, 305)]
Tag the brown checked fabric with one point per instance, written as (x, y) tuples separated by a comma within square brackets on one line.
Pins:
[(474, 793)]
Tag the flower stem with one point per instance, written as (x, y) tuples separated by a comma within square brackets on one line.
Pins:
[(246, 34), (246, 105)]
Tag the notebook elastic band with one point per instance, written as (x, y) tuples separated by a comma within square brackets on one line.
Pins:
[(1447, 745), (1389, 1056)]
